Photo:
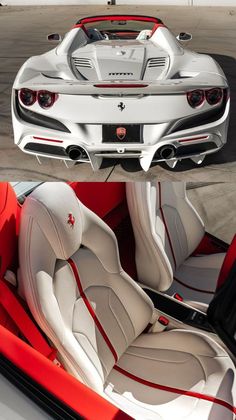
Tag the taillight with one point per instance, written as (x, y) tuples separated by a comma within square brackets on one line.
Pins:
[(196, 98), (46, 99), (27, 96), (214, 96)]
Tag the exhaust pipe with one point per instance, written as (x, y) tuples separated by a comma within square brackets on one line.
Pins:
[(167, 152), (75, 152)]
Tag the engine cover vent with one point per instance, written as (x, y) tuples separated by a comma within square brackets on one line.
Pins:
[(82, 62), (157, 62)]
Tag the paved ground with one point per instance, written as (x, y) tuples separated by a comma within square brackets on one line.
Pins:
[(22, 34), (216, 204)]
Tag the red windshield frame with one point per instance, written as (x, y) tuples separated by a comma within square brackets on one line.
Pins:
[(104, 18)]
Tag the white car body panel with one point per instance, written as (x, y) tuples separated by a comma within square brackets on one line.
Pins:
[(162, 72)]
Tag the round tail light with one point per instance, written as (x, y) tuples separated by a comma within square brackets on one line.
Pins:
[(196, 98), (27, 96), (46, 99), (214, 96)]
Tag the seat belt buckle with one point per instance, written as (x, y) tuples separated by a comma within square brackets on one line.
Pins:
[(160, 324), (163, 321), (53, 357), (178, 297), (57, 363)]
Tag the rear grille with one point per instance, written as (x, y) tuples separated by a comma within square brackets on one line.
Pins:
[(82, 62), (157, 62)]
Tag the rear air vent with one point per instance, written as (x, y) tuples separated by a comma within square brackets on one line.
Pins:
[(157, 62), (82, 63)]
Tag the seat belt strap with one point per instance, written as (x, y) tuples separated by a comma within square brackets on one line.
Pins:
[(22, 320)]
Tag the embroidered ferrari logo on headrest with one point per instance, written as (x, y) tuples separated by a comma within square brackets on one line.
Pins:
[(71, 220)]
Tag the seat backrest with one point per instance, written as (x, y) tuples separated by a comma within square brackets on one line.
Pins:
[(61, 239), (167, 229)]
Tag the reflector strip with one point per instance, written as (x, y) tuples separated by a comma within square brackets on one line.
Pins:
[(45, 139), (165, 224), (178, 391), (193, 139), (120, 85), (90, 308)]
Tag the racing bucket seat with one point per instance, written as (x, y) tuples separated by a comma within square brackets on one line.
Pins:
[(168, 232), (96, 316)]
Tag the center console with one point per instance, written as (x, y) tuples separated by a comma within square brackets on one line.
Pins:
[(179, 310)]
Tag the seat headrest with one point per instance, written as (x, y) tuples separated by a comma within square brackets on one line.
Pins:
[(8, 227), (57, 212)]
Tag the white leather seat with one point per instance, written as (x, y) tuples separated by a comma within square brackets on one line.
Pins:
[(95, 315), (167, 231)]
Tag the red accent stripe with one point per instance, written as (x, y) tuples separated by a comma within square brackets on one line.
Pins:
[(90, 308), (178, 391), (120, 85), (45, 139), (194, 288), (193, 139), (165, 224)]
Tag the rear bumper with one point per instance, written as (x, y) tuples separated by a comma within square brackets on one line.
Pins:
[(208, 136)]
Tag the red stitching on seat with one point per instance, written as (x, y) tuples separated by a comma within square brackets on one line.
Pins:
[(166, 227), (179, 391), (90, 308)]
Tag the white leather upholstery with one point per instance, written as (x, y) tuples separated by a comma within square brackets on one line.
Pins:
[(167, 231), (176, 358), (184, 359), (48, 284)]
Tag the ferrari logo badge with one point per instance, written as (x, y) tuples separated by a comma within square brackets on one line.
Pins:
[(121, 133), (121, 106), (71, 220)]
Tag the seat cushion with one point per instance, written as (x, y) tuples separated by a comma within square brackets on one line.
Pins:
[(196, 279), (180, 359)]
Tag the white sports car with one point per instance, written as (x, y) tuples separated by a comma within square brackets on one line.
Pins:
[(121, 87)]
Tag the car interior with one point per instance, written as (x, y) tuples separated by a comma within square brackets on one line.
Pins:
[(118, 28), (119, 295)]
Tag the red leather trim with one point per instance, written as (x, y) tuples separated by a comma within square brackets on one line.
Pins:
[(100, 197), (227, 263), (210, 245), (178, 391), (194, 288), (9, 213), (165, 224), (91, 310), (57, 381), (22, 320)]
